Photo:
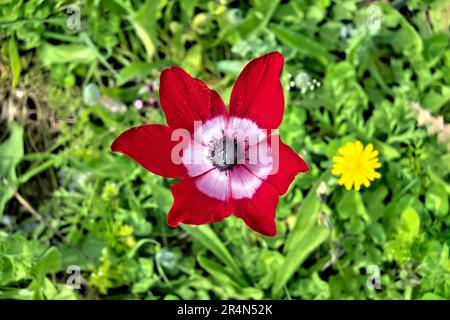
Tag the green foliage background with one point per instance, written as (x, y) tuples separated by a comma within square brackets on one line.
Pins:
[(67, 202)]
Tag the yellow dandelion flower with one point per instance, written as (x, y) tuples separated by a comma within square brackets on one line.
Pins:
[(356, 165)]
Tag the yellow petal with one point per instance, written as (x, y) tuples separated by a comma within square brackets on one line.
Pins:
[(366, 182), (356, 165), (358, 147)]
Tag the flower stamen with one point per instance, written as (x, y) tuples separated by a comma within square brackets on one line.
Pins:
[(225, 153)]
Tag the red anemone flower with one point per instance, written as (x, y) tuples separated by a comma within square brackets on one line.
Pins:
[(217, 177)]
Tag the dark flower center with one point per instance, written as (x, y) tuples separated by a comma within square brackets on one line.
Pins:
[(226, 153)]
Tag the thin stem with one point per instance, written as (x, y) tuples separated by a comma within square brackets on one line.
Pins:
[(36, 170), (28, 207)]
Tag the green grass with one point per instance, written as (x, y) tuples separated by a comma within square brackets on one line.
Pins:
[(67, 203)]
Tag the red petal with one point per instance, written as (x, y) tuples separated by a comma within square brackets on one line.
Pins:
[(151, 147), (289, 165), (192, 206), (259, 211), (185, 99), (218, 107), (258, 94)]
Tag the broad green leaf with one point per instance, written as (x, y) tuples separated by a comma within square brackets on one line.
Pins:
[(16, 294), (11, 153), (219, 272), (187, 8), (258, 17), (435, 178), (434, 269), (230, 66), (296, 256), (140, 70), (144, 22), (192, 63), (408, 228), (7, 273), (206, 236), (431, 296), (351, 204), (145, 37), (304, 238), (50, 262), (304, 45), (436, 200), (407, 39), (14, 60), (435, 100), (17, 255), (377, 232), (70, 53), (307, 217), (387, 152), (435, 46)]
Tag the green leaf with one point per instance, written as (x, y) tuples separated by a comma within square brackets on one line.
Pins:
[(206, 236), (406, 40), (16, 257), (14, 60), (258, 17), (70, 53), (434, 269), (145, 37), (50, 262), (297, 256), (436, 100), (408, 228), (435, 46), (436, 200), (431, 296), (16, 294), (307, 216), (11, 153), (192, 63), (7, 273), (140, 70), (304, 45), (386, 151), (306, 236), (218, 272), (351, 204), (377, 232), (144, 22)]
